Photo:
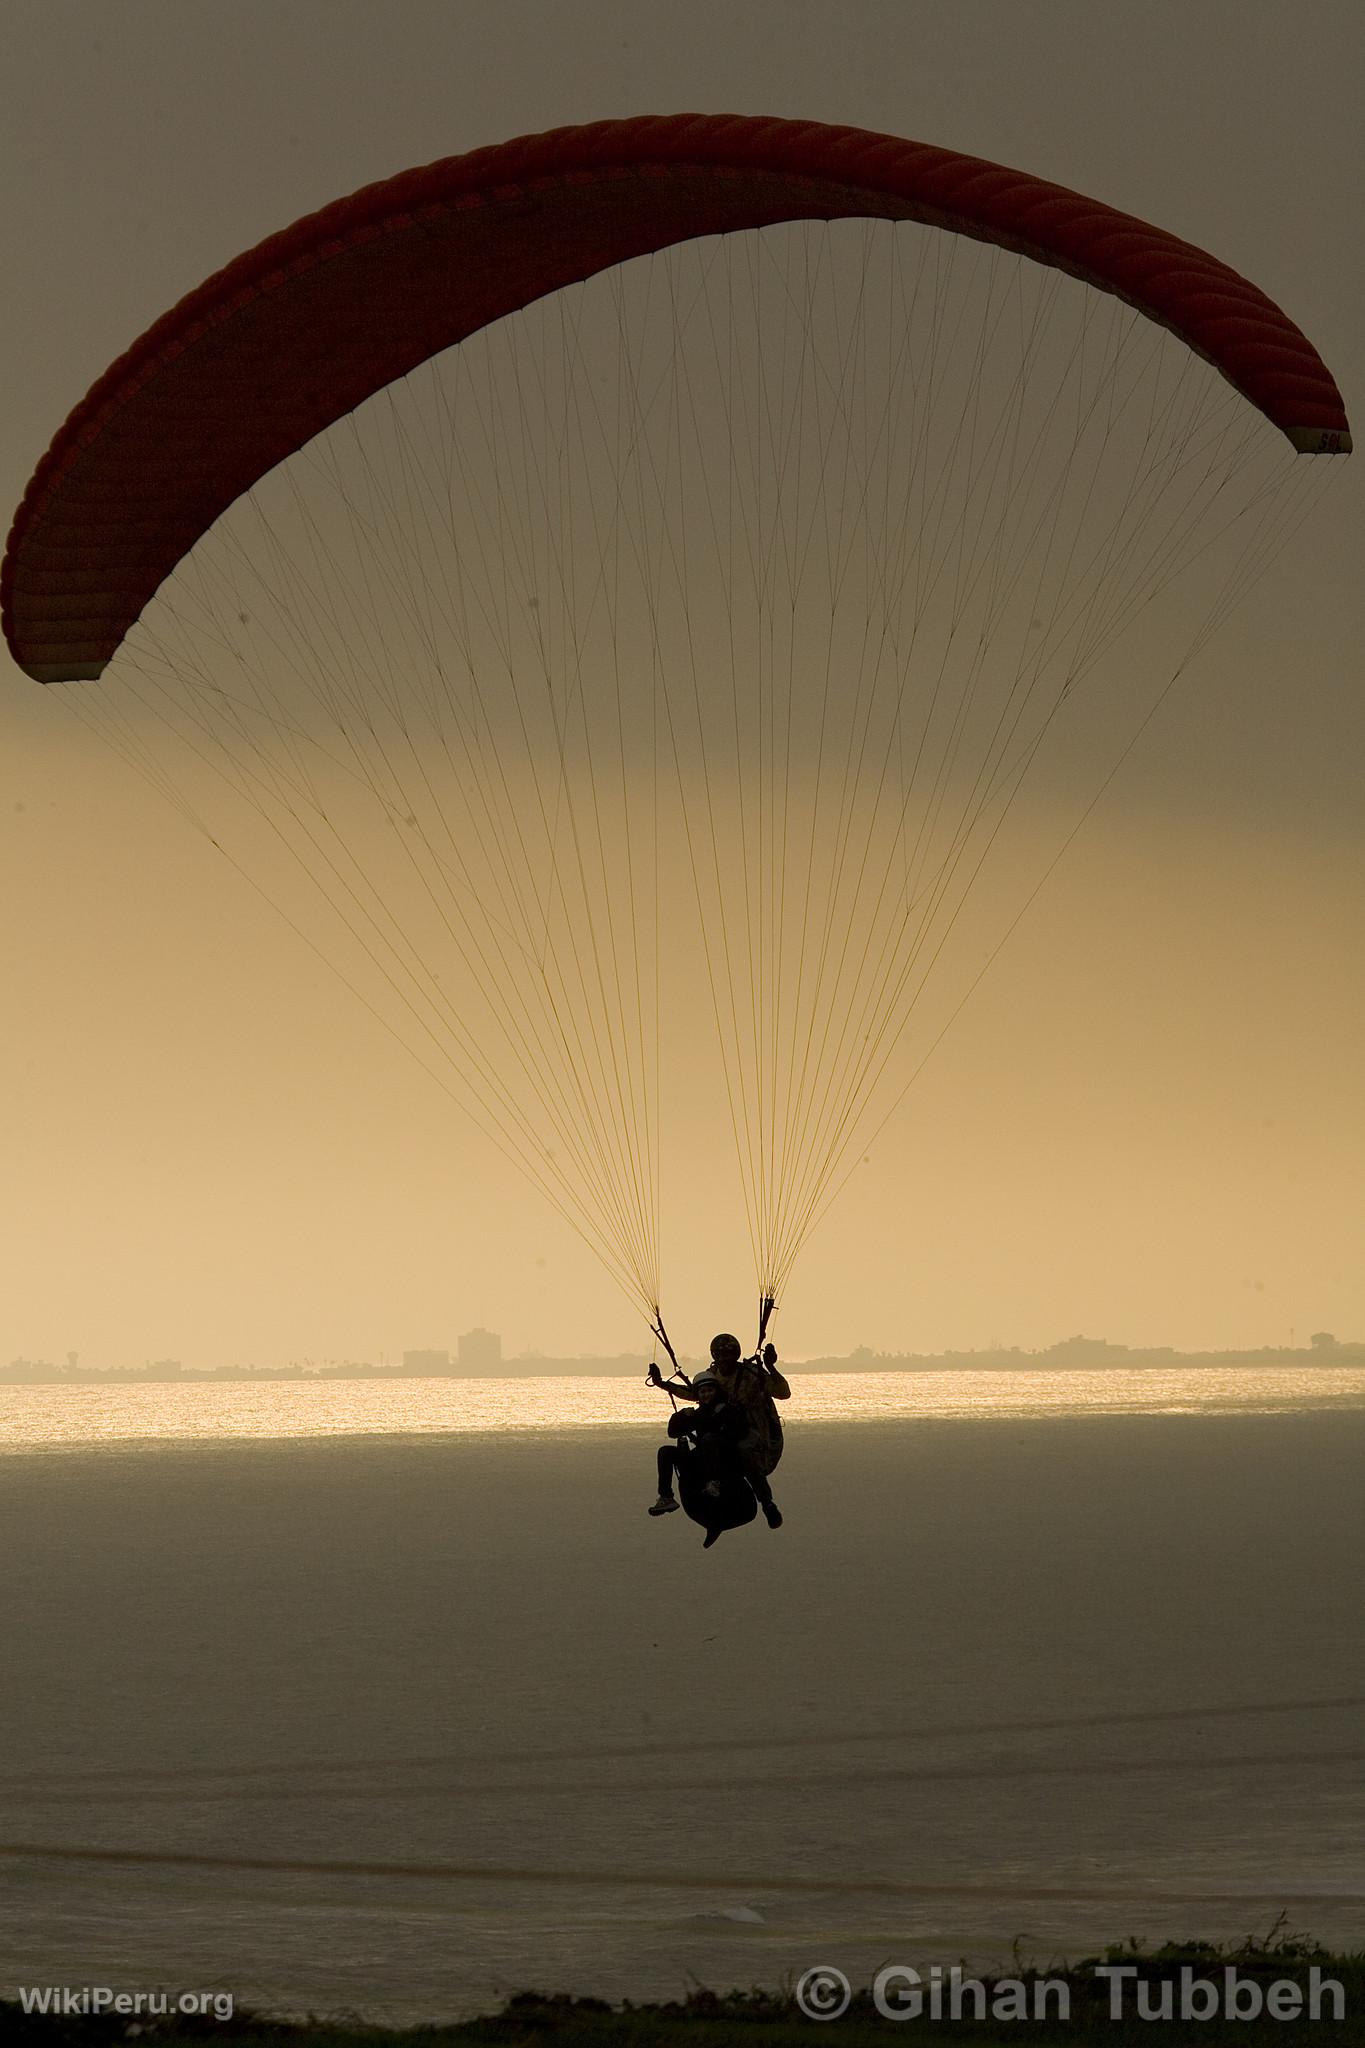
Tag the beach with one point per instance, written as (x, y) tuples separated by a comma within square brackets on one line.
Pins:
[(397, 1724)]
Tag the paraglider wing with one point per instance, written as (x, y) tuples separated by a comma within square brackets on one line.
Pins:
[(296, 333)]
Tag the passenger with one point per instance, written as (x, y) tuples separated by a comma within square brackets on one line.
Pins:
[(712, 1483)]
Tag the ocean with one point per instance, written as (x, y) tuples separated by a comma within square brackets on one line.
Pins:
[(388, 1697)]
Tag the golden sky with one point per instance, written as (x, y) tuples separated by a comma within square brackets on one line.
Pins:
[(1147, 1123)]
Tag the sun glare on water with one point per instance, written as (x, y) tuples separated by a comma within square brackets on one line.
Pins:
[(71, 1418)]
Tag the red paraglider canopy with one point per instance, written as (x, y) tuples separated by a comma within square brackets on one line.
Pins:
[(302, 329)]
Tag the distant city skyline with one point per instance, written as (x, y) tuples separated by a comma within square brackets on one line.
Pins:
[(1321, 1345)]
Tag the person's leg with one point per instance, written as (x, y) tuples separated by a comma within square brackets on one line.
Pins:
[(668, 1456), (763, 1494)]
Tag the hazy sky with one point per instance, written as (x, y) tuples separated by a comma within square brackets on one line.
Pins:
[(1149, 1122)]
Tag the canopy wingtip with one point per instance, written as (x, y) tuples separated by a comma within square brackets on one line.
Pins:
[(64, 671), (1320, 440)]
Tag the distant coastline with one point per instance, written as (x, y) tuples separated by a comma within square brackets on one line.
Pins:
[(1072, 1354)]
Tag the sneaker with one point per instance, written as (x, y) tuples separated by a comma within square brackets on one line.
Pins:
[(712, 1536), (771, 1514), (664, 1505)]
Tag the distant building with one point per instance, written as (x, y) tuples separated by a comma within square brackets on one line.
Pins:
[(416, 1362), (30, 1371), (1084, 1351), (480, 1351)]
